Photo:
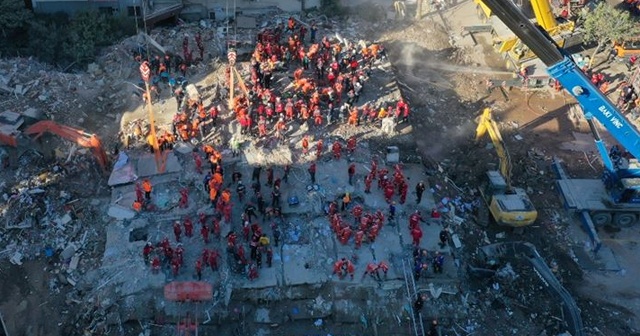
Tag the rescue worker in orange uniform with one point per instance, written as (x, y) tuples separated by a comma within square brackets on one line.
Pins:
[(147, 188)]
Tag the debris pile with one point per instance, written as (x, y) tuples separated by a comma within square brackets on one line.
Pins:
[(44, 220)]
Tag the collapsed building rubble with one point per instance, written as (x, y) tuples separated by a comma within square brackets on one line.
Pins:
[(48, 217)]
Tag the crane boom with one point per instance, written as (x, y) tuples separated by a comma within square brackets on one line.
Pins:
[(563, 69), (544, 14)]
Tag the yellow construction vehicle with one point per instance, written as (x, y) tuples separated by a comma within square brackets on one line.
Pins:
[(516, 52), (509, 206), (627, 48)]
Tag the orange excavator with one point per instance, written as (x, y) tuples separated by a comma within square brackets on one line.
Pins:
[(77, 136)]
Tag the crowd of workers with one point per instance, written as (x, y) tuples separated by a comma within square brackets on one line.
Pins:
[(329, 77)]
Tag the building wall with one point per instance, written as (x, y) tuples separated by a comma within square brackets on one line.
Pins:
[(73, 6), (285, 5)]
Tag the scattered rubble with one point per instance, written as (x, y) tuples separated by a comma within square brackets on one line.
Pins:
[(56, 212)]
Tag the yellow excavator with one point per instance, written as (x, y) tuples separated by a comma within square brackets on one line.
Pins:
[(516, 52), (509, 206)]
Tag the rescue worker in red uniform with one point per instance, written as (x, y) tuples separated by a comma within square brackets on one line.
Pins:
[(216, 228), (351, 145), (344, 267), (373, 232), (357, 213), (204, 231), (416, 235), (414, 219), (351, 172), (367, 183), (388, 192), (177, 230), (184, 198), (404, 188), (358, 238), (337, 149), (214, 255), (155, 265), (227, 213), (175, 267), (382, 178), (345, 234), (319, 147), (146, 251), (199, 269), (384, 268), (198, 161), (305, 145), (188, 227), (371, 270), (253, 272), (179, 254), (231, 240)]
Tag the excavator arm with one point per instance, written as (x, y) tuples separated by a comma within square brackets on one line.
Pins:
[(488, 125), (77, 136)]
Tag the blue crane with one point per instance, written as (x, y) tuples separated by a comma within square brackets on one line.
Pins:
[(614, 200)]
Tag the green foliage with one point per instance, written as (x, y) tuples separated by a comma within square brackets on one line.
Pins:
[(63, 41), (43, 43), (85, 32), (606, 24), (332, 8), (13, 16)]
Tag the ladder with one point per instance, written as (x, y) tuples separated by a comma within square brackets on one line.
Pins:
[(412, 294)]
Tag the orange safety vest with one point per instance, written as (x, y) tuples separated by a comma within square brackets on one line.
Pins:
[(146, 186), (217, 177), (208, 149), (213, 193), (226, 196), (212, 184), (137, 206)]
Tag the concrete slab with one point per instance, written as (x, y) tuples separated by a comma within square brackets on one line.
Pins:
[(262, 316), (268, 278), (120, 212), (123, 175), (301, 266), (346, 311), (146, 165)]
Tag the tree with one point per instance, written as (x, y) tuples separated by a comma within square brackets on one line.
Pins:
[(45, 41), (606, 24), (13, 15), (87, 31)]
